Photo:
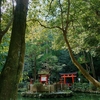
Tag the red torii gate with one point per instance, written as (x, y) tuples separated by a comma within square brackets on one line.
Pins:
[(65, 76)]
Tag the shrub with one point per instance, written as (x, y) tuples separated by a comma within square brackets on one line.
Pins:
[(92, 87), (80, 87)]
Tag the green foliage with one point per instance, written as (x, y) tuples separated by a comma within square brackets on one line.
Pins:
[(81, 87), (97, 65), (81, 59), (4, 46), (84, 87), (64, 59), (37, 84), (82, 78), (92, 41), (49, 58), (83, 26), (92, 87), (42, 43), (7, 13)]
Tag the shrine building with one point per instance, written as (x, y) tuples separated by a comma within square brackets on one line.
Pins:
[(44, 76)]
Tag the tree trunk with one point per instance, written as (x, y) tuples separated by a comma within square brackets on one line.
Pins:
[(82, 70), (34, 69), (85, 62), (12, 70), (92, 68)]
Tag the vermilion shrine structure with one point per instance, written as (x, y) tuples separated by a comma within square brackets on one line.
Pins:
[(44, 76), (68, 78)]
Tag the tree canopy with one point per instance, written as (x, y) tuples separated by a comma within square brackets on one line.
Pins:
[(50, 26)]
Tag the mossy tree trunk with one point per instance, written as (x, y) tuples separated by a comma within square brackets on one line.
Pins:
[(12, 70)]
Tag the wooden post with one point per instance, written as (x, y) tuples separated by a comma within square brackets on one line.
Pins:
[(46, 79), (64, 79), (72, 78)]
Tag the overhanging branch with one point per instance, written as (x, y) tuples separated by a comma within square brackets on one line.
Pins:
[(8, 26), (2, 33), (50, 27), (45, 25)]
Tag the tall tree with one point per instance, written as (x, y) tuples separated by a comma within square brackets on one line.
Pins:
[(61, 15), (12, 70), (38, 46)]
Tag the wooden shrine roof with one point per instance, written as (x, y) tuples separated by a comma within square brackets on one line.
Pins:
[(43, 72)]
